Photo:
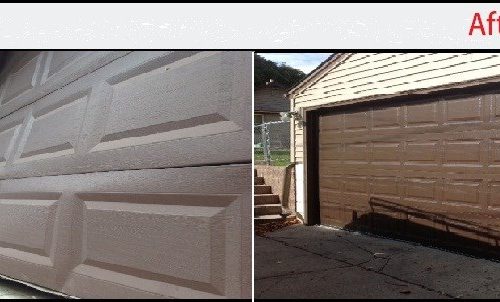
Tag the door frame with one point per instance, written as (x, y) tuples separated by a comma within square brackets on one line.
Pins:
[(312, 215), (311, 165)]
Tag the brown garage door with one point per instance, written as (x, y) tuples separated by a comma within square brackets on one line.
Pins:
[(427, 169)]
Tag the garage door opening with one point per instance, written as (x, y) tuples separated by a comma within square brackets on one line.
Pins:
[(426, 170)]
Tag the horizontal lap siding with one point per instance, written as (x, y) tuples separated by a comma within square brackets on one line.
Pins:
[(298, 143), (375, 75)]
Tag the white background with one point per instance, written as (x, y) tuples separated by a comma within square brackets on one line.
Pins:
[(248, 26)]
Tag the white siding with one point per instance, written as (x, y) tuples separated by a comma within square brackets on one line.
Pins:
[(377, 75), (299, 189)]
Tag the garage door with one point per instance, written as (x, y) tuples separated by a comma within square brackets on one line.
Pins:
[(427, 169), (127, 174)]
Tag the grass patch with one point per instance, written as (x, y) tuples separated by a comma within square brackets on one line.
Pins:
[(278, 157)]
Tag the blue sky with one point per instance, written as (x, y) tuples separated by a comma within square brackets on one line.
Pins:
[(303, 61)]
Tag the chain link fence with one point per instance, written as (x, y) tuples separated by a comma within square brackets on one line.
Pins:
[(272, 143)]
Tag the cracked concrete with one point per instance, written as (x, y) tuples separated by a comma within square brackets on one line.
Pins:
[(320, 262)]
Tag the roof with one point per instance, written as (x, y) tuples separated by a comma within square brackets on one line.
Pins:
[(356, 76), (309, 78), (271, 99)]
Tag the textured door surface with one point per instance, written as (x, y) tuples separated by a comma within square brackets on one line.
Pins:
[(428, 170), (127, 174)]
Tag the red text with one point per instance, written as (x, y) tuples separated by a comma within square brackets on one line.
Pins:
[(485, 26)]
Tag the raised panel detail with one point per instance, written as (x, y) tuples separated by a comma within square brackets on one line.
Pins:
[(496, 105), (57, 60), (55, 130), (164, 233), (385, 186), (462, 152), (119, 227), (187, 97), (421, 152), (27, 232), (355, 185), (7, 138), (332, 183), (334, 122), (27, 222), (146, 109), (356, 152), (102, 129), (420, 189), (20, 80), (494, 201), (332, 152), (356, 121), (385, 152), (432, 163), (463, 110), (464, 192), (495, 151), (388, 117), (30, 76), (422, 114)]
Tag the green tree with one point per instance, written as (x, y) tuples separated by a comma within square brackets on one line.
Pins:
[(282, 74)]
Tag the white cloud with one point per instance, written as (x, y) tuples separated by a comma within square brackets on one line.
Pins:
[(303, 61)]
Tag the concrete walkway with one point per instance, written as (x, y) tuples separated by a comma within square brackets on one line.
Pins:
[(320, 262), (14, 290)]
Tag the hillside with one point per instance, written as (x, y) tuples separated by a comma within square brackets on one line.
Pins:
[(284, 75)]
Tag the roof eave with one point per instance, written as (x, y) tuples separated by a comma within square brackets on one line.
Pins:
[(318, 72)]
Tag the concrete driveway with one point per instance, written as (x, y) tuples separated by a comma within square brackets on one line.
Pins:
[(320, 262)]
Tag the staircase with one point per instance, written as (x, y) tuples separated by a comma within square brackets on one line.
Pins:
[(267, 206)]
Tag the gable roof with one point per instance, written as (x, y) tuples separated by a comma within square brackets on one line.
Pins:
[(351, 76), (315, 73)]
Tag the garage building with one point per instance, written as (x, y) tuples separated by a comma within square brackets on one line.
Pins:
[(403, 144)]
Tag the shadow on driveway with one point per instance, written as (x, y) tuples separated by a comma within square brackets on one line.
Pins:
[(321, 262)]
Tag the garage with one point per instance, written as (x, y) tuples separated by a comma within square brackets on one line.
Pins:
[(420, 164), (126, 174), (430, 163)]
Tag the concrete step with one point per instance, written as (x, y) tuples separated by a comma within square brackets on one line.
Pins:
[(259, 199), (273, 218), (259, 180), (268, 218), (262, 189), (267, 209)]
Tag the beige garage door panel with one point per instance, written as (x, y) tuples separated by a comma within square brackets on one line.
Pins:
[(121, 206), (144, 233), (10, 128), (29, 75), (144, 110)]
